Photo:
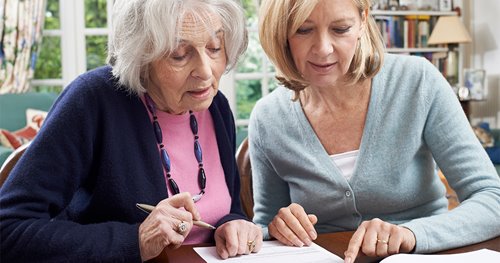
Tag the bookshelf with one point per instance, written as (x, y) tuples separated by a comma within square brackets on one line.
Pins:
[(407, 32), (412, 12), (416, 50)]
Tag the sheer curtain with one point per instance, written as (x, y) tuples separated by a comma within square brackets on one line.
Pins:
[(21, 24)]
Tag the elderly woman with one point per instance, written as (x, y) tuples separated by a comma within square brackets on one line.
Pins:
[(353, 143), (133, 132)]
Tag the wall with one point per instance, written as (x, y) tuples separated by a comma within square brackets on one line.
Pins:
[(485, 54)]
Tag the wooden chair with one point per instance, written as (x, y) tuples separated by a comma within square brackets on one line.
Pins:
[(11, 161), (245, 170), (450, 193)]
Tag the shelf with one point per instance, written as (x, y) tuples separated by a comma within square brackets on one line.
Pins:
[(412, 12), (417, 50), (469, 100)]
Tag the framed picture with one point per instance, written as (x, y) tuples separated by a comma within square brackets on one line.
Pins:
[(407, 5), (428, 5), (393, 5), (474, 81), (445, 5), (380, 5)]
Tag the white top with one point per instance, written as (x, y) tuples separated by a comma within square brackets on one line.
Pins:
[(345, 162)]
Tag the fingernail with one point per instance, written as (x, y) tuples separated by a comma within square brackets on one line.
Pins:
[(313, 235), (347, 260), (298, 243), (308, 242)]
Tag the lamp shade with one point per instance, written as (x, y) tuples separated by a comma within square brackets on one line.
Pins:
[(449, 29)]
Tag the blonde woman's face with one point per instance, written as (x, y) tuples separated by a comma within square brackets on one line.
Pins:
[(188, 79), (324, 45)]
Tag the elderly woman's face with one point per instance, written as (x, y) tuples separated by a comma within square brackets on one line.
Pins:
[(323, 46), (188, 79)]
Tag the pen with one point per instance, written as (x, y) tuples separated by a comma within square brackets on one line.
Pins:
[(148, 208)]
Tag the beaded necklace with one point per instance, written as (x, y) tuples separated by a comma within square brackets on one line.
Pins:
[(174, 188)]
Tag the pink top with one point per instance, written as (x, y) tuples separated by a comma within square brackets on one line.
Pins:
[(179, 143)]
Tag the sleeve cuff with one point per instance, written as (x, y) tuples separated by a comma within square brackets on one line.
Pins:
[(421, 240), (265, 233)]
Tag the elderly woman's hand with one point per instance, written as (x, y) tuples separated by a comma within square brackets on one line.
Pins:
[(380, 239), (238, 237), (167, 225), (293, 227)]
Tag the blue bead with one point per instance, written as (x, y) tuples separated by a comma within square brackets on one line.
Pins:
[(197, 151), (165, 159), (194, 124), (158, 132)]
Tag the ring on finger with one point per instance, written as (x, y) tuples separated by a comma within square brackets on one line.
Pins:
[(181, 227), (381, 241), (251, 245)]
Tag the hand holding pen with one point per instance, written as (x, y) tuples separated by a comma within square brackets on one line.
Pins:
[(167, 225), (149, 208)]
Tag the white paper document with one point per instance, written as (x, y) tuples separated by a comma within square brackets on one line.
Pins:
[(274, 251), (483, 256)]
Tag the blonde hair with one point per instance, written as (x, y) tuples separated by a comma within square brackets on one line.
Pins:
[(279, 19), (144, 31)]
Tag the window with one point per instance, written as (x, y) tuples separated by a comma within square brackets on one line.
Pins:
[(48, 70), (253, 77), (75, 40)]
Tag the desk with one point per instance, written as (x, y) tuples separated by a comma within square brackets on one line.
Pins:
[(333, 242)]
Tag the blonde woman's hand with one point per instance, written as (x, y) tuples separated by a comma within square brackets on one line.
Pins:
[(237, 237), (377, 238), (293, 227), (167, 225)]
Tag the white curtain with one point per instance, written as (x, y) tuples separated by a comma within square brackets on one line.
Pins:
[(21, 24)]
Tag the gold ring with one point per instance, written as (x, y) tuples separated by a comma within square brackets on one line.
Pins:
[(251, 245), (382, 241), (181, 227)]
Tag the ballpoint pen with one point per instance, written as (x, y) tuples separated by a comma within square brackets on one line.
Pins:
[(148, 208)]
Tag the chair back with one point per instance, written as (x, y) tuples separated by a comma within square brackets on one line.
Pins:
[(11, 161), (245, 170)]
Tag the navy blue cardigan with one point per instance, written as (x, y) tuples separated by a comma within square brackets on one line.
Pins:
[(72, 195)]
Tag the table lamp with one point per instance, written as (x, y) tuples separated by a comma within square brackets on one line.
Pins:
[(449, 30)]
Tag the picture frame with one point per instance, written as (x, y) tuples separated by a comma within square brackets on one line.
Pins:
[(445, 5), (407, 5), (393, 5), (380, 5), (474, 81), (428, 5)]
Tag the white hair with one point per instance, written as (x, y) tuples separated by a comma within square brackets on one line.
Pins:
[(146, 30)]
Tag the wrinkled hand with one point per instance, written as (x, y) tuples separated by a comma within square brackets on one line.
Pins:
[(232, 238), (293, 227), (160, 228), (377, 238)]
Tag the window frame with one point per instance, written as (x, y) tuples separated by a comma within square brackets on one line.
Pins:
[(73, 35)]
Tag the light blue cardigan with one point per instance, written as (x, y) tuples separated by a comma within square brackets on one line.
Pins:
[(414, 121)]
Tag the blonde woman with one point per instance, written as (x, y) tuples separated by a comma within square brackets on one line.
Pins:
[(352, 138)]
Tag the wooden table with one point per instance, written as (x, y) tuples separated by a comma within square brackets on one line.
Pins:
[(333, 242)]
